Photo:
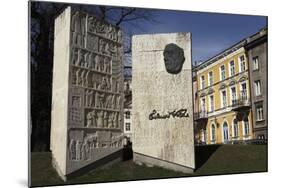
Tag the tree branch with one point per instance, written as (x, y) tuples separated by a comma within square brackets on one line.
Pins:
[(124, 15)]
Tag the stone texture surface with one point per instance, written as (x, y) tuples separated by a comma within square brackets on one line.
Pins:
[(87, 106), (153, 88), (60, 92)]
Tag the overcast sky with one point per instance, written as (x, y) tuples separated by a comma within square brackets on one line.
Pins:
[(211, 33)]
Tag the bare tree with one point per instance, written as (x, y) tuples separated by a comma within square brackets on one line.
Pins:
[(42, 19)]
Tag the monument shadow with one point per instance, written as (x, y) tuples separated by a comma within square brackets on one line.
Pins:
[(203, 153)]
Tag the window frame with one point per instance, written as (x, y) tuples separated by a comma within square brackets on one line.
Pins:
[(211, 104), (231, 96), (259, 111), (246, 133), (235, 130), (213, 132), (257, 85), (231, 68), (202, 82), (201, 104), (221, 79), (209, 80), (241, 90), (127, 115), (222, 99), (255, 61), (126, 125), (240, 63)]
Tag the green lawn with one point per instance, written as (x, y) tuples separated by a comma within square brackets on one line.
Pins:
[(210, 160)]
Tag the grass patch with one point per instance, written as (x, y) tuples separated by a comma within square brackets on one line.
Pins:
[(210, 160)]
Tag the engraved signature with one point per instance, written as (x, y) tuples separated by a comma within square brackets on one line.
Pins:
[(176, 113)]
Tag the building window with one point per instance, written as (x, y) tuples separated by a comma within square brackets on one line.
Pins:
[(233, 95), (213, 132), (242, 63), (223, 99), (235, 128), (259, 113), (211, 105), (232, 68), (261, 137), (246, 126), (225, 132), (127, 114), (211, 78), (222, 70), (203, 105), (256, 63), (243, 91), (257, 87), (202, 82), (203, 135), (128, 126)]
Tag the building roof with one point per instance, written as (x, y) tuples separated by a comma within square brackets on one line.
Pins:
[(231, 49)]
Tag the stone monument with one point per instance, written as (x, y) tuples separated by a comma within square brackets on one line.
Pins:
[(87, 98), (162, 106)]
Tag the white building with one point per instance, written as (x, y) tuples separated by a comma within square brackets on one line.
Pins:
[(128, 109)]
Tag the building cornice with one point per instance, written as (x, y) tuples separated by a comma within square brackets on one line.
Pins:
[(248, 42)]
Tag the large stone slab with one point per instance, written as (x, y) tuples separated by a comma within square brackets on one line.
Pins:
[(87, 103), (162, 105)]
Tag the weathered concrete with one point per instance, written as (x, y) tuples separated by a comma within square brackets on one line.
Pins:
[(60, 92), (151, 161), (87, 106), (153, 88)]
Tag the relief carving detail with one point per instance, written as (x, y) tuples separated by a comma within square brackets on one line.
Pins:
[(96, 71)]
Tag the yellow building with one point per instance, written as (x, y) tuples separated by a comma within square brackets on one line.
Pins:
[(223, 97)]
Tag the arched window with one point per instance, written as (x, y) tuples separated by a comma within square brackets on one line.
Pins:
[(235, 128), (225, 132), (246, 126), (203, 135), (213, 133)]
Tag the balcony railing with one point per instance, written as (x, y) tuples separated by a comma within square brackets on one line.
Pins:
[(201, 115), (242, 102)]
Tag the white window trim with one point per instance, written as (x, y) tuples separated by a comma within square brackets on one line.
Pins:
[(203, 135), (221, 73), (259, 119), (257, 81), (222, 130), (129, 126), (211, 104), (229, 69), (209, 78), (233, 128), (253, 64), (243, 129), (221, 96), (201, 104), (240, 62), (247, 89), (211, 133), (230, 91), (201, 81)]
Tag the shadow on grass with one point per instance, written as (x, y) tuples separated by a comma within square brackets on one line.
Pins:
[(203, 153), (128, 152)]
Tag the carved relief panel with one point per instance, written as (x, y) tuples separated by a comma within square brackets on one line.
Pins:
[(96, 87), (82, 144)]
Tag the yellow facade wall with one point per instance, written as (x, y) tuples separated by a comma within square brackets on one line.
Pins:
[(238, 78), (228, 118)]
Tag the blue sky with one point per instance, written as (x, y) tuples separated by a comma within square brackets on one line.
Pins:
[(211, 32)]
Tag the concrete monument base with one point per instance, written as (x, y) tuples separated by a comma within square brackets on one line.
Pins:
[(151, 161), (102, 163)]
